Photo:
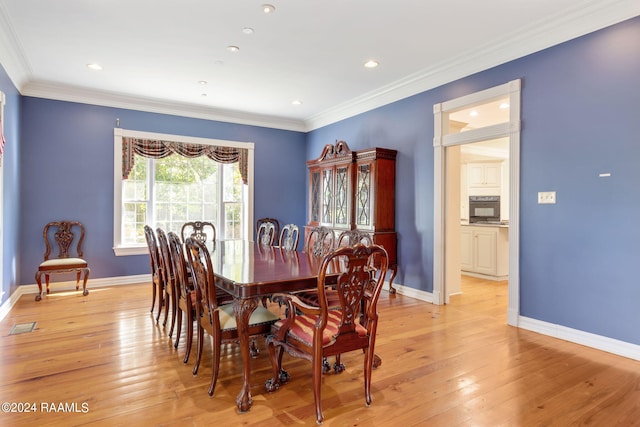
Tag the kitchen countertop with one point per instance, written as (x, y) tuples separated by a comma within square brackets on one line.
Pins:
[(501, 224)]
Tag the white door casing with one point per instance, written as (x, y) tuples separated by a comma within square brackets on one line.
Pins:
[(443, 139)]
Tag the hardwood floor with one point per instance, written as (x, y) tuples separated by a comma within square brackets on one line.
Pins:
[(454, 365)]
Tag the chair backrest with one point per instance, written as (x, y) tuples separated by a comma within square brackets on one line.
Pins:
[(67, 236), (276, 225), (358, 286), (166, 266), (289, 237), (320, 241), (179, 265), (199, 262), (202, 231), (266, 233), (154, 254), (352, 237)]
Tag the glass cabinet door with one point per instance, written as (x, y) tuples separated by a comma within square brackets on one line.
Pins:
[(327, 196), (363, 195), (315, 196), (342, 197)]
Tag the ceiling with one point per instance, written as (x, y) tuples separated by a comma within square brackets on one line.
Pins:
[(155, 53)]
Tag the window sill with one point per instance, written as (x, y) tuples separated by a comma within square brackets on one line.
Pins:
[(130, 250)]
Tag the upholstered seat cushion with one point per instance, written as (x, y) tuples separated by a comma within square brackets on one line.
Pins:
[(310, 297), (58, 263), (259, 316), (302, 329)]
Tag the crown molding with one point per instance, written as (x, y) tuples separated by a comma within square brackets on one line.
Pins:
[(119, 100), (584, 18), (566, 25)]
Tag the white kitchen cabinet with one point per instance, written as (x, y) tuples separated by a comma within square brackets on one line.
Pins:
[(484, 250), (484, 179)]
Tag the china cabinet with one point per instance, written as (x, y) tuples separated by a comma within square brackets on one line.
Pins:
[(355, 190)]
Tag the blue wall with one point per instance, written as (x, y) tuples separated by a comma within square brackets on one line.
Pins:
[(580, 117), (67, 150), (11, 185), (580, 108)]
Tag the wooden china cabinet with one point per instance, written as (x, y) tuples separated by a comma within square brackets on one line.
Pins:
[(355, 190)]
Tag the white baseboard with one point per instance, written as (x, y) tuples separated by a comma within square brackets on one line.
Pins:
[(610, 345)]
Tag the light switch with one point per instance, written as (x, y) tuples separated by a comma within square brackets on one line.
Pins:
[(546, 197)]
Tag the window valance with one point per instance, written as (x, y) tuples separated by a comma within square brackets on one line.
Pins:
[(156, 149)]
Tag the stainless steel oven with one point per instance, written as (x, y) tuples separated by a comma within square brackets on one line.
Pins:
[(484, 209)]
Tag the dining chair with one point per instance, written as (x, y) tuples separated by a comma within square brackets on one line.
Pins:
[(169, 279), (202, 231), (218, 320), (320, 241), (276, 225), (289, 237), (351, 237), (314, 333), (266, 233), (68, 236), (157, 279)]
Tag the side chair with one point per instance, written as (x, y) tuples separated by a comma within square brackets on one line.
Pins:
[(314, 333), (68, 237)]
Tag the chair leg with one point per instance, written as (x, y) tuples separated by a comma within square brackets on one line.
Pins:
[(199, 349), (153, 288), (189, 335), (215, 348), (179, 331), (173, 312), (39, 282), (368, 368), (337, 366), (85, 291), (317, 382), (161, 301)]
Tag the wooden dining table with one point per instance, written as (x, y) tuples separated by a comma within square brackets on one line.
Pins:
[(250, 271)]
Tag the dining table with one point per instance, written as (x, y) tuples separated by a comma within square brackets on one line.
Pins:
[(250, 272)]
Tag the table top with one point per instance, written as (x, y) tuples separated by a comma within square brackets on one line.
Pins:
[(247, 269)]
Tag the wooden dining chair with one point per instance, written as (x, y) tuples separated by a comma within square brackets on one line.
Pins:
[(289, 237), (352, 237), (314, 333), (320, 241), (68, 237), (203, 231), (218, 320), (157, 278), (276, 225), (169, 279), (266, 233)]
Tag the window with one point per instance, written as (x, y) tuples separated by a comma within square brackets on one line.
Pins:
[(166, 192)]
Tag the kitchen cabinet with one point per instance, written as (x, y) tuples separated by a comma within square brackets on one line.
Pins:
[(484, 251), (484, 179)]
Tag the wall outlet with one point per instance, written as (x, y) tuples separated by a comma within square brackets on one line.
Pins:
[(546, 197)]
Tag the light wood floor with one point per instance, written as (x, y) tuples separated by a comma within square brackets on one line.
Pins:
[(454, 365)]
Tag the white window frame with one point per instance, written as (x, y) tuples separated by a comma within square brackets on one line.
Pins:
[(118, 133)]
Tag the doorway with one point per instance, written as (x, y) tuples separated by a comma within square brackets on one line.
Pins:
[(458, 123)]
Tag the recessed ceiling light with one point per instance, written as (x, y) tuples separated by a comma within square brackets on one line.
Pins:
[(233, 48), (268, 8), (94, 66), (203, 82), (247, 30), (296, 102), (371, 64), (473, 113), (504, 105)]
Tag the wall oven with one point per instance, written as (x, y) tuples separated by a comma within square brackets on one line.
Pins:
[(484, 209)]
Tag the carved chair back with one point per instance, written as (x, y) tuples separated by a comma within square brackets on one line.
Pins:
[(202, 231), (266, 233), (61, 235), (320, 241), (289, 237), (276, 225)]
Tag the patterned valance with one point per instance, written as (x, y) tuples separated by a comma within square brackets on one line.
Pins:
[(160, 149)]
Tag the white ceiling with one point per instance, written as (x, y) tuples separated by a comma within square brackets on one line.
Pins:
[(154, 53)]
